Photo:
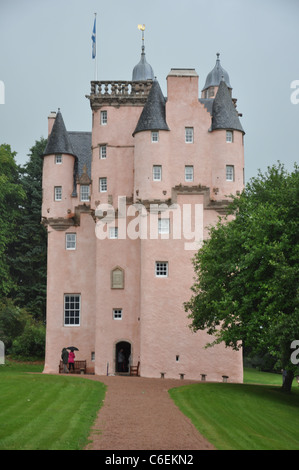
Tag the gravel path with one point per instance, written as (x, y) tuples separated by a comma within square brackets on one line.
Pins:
[(138, 414)]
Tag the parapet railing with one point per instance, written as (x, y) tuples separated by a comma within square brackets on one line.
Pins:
[(105, 88)]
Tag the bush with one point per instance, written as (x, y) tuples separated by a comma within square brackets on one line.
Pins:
[(31, 343)]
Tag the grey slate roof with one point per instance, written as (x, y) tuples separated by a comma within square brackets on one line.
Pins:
[(224, 113), (58, 141), (216, 76), (81, 143), (143, 70), (153, 113)]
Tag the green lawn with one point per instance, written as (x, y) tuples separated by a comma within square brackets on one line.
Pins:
[(46, 412), (243, 416)]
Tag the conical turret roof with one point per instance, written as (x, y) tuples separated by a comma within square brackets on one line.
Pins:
[(59, 141), (217, 75), (224, 113), (153, 113)]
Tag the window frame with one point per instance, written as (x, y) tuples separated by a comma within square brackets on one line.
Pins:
[(115, 312), (229, 136), (58, 159), (103, 183), (70, 245), (113, 233), (188, 167), (155, 137), (76, 311), (166, 229), (230, 177), (104, 117), (56, 193), (81, 187), (155, 168), (189, 135), (161, 272), (103, 152)]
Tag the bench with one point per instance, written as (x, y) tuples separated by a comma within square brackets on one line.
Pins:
[(79, 366), (134, 370)]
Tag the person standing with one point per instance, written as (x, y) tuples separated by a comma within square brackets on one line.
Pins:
[(72, 360), (65, 359)]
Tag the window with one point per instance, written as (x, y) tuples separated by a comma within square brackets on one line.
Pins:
[(229, 136), (103, 152), (189, 135), (230, 173), (155, 136), (103, 185), (72, 307), (161, 269), (157, 173), (84, 192), (70, 241), (117, 313), (163, 226), (113, 232), (188, 173), (58, 193), (103, 118), (58, 159)]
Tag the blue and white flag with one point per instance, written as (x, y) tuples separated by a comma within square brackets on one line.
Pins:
[(93, 38)]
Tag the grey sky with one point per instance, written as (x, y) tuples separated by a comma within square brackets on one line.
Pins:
[(46, 64)]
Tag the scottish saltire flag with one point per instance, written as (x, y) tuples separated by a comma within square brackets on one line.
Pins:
[(93, 38)]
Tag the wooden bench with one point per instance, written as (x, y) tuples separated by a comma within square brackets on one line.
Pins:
[(134, 370), (79, 366)]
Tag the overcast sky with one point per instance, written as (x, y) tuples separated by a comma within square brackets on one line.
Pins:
[(46, 64)]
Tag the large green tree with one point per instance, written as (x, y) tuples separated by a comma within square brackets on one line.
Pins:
[(247, 272), (12, 196), (28, 252)]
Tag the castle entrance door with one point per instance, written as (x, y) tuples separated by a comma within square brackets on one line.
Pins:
[(122, 355)]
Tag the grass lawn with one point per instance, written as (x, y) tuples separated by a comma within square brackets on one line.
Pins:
[(46, 412), (243, 416)]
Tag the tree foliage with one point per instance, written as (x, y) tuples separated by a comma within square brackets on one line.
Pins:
[(246, 287)]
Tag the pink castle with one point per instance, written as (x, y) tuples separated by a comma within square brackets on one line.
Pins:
[(126, 207)]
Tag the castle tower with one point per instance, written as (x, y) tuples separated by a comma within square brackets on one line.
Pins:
[(158, 171)]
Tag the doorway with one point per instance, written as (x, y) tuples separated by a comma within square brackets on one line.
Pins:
[(122, 357)]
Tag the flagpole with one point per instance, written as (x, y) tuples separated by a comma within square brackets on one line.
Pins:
[(94, 47), (96, 58)]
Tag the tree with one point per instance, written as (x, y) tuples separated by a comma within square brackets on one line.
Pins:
[(246, 287), (28, 253), (12, 196)]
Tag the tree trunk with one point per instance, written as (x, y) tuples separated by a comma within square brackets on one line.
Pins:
[(287, 381)]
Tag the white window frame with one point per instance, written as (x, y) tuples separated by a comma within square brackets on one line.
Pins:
[(104, 118), (72, 310), (103, 152), (117, 314), (189, 135), (103, 184), (229, 137), (58, 159), (157, 172), (189, 173), (57, 193), (70, 241), (230, 173), (155, 136), (113, 233), (161, 269), (163, 226), (84, 192)]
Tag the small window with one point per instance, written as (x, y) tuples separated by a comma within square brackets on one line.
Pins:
[(103, 118), (103, 185), (229, 137), (188, 173), (155, 136), (113, 232), (161, 269), (117, 313), (157, 173), (72, 308), (189, 135), (93, 356), (230, 173), (103, 152), (58, 159), (58, 193), (70, 241), (163, 226), (84, 192)]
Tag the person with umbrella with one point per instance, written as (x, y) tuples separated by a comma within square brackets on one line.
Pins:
[(65, 359), (71, 358)]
